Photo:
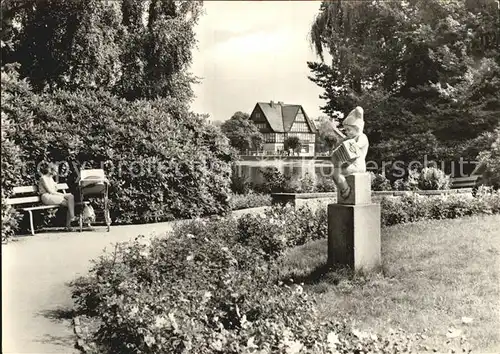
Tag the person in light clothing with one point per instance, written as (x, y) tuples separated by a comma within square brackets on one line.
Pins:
[(49, 195)]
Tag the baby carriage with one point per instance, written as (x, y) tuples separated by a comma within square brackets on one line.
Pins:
[(93, 183)]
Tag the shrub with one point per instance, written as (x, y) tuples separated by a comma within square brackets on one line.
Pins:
[(274, 181), (220, 298), (413, 207), (239, 184), (282, 227), (490, 159), (408, 184), (325, 184), (380, 182), (250, 200), (10, 172), (162, 161), (432, 178)]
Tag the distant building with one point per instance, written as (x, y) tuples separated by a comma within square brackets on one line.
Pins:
[(278, 121)]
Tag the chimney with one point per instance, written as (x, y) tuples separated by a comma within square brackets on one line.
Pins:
[(280, 103), (271, 103)]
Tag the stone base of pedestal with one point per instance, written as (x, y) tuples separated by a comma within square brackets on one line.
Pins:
[(354, 236)]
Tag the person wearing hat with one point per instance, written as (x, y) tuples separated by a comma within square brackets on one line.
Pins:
[(353, 127)]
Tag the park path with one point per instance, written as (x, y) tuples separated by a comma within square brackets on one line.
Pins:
[(36, 301)]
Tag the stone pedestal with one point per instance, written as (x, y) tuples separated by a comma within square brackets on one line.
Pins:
[(354, 227)]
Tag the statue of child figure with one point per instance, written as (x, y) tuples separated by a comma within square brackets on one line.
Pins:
[(356, 140)]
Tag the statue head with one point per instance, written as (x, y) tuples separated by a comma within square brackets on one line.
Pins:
[(354, 123)]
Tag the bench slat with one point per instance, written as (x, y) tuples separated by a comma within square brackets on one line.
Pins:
[(25, 190), (34, 189), (41, 207), (23, 200), (465, 179), (29, 199)]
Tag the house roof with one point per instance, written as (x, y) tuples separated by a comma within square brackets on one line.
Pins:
[(281, 116)]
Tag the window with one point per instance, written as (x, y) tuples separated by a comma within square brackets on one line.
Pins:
[(257, 115)]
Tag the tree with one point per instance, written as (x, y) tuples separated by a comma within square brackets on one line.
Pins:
[(490, 159), (132, 48), (242, 132), (419, 68), (325, 137), (292, 142)]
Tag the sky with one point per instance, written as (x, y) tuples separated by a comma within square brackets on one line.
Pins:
[(254, 51)]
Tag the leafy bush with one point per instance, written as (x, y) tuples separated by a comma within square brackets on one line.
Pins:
[(325, 184), (490, 159), (11, 167), (239, 184), (221, 298), (431, 178), (413, 207), (250, 200), (274, 181), (162, 161), (380, 182), (281, 227), (408, 184)]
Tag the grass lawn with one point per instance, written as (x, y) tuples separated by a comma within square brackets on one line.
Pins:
[(440, 278)]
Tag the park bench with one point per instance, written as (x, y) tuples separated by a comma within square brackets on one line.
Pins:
[(465, 182), (28, 195)]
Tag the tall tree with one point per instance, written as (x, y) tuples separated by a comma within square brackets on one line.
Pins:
[(242, 133), (134, 48), (419, 68)]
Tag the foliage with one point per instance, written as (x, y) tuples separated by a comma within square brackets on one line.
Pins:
[(222, 297), (162, 161), (431, 178), (127, 48), (325, 184), (275, 230), (239, 184), (250, 200), (410, 183), (326, 138), (292, 142), (274, 181), (426, 73), (490, 159), (413, 207), (242, 133), (380, 182), (10, 174)]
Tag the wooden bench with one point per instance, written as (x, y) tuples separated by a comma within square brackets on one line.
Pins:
[(465, 182), (24, 195)]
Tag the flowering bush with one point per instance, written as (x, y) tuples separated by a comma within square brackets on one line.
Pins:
[(200, 291), (379, 182), (431, 178), (281, 227), (408, 184), (413, 207), (325, 184)]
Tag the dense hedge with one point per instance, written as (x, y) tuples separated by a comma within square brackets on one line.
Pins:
[(9, 178), (414, 207), (162, 161), (250, 200)]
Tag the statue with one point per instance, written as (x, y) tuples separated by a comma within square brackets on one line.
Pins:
[(350, 154)]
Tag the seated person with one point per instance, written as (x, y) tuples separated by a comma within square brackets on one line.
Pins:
[(47, 188)]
